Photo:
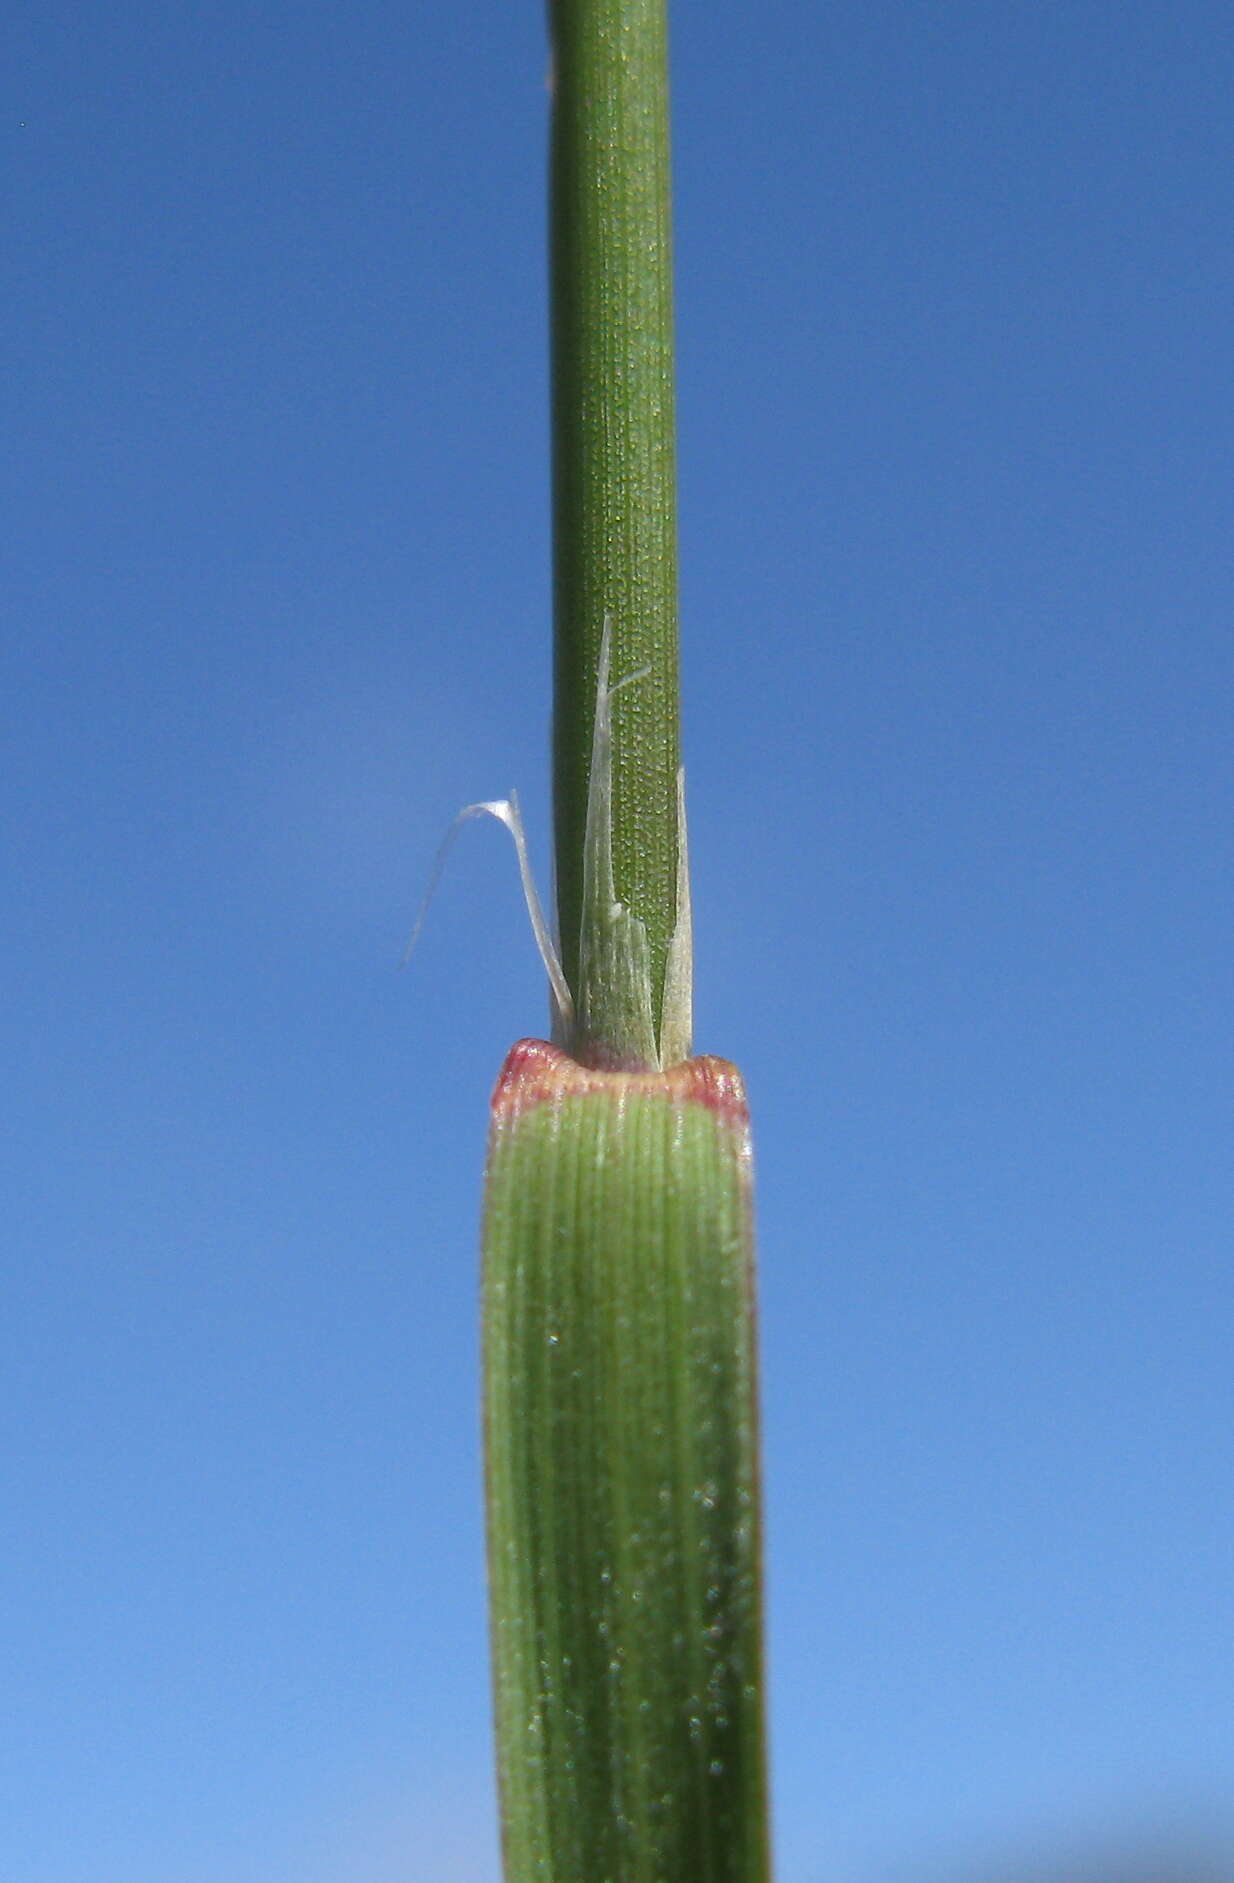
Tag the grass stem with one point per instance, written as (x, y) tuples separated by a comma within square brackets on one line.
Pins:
[(614, 458)]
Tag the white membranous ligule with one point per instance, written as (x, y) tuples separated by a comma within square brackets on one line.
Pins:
[(614, 991), (677, 1005)]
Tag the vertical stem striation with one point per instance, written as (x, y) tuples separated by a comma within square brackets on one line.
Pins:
[(614, 470)]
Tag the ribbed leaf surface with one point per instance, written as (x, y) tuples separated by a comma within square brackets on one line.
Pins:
[(621, 1457)]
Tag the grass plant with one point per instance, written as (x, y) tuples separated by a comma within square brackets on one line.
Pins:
[(619, 1358)]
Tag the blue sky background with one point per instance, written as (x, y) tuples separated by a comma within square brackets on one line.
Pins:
[(957, 456)]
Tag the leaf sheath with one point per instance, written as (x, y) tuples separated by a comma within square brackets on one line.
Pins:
[(621, 1456)]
